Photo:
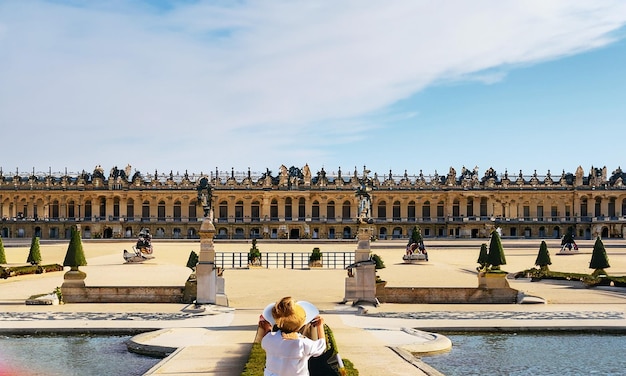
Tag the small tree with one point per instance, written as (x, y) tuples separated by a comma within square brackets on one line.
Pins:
[(568, 238), (192, 262), (599, 259), (543, 257), (379, 261), (75, 256), (495, 257), (34, 255), (254, 256), (316, 255), (416, 236), (482, 257), (3, 257)]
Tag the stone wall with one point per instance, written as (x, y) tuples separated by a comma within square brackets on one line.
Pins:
[(123, 294), (446, 295)]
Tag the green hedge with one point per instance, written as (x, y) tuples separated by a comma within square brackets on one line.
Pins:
[(12, 271)]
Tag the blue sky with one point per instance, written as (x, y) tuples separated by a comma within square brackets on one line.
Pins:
[(400, 85)]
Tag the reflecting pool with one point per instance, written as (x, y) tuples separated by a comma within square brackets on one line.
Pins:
[(532, 354), (52, 355)]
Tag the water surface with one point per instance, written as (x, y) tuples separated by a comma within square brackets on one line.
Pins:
[(68, 355), (563, 354)]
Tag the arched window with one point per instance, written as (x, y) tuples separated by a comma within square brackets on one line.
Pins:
[(397, 233), (161, 210), (145, 211), (345, 212), (301, 208), (88, 213), (440, 213), (116, 208), (611, 208), (583, 207), (71, 210), (54, 210), (103, 208), (483, 207), (193, 214), (160, 232), (411, 211), (347, 232), (382, 210), (456, 211), (396, 211), (178, 213), (130, 209), (274, 210), (239, 211), (255, 211), (470, 207), (426, 211), (288, 209), (598, 207), (315, 210), (330, 211), (223, 216)]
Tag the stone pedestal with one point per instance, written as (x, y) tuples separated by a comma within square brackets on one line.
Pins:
[(361, 281), (74, 278), (491, 280), (210, 285)]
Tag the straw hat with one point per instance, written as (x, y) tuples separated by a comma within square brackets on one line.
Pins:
[(290, 315)]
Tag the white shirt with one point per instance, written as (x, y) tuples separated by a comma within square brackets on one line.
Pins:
[(289, 357)]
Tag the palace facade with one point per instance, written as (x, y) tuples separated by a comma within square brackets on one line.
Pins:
[(296, 204)]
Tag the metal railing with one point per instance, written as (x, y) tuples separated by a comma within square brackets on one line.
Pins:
[(284, 260)]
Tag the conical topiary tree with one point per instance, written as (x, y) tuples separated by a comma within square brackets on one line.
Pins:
[(34, 255), (495, 257), (543, 257), (568, 238), (192, 262), (482, 257), (416, 236), (254, 255), (3, 257), (599, 259), (75, 255)]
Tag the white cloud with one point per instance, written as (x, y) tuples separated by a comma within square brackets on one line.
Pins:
[(215, 73)]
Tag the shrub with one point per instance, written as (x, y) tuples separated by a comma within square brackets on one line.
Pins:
[(495, 257), (599, 259), (482, 257), (254, 253), (34, 255), (379, 261), (3, 258), (192, 261), (543, 257), (75, 255), (316, 255)]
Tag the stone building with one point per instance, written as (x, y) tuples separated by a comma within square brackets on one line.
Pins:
[(296, 204)]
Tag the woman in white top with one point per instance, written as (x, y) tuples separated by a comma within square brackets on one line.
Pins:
[(287, 351)]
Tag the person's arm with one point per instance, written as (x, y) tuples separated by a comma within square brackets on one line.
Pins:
[(318, 324), (264, 328)]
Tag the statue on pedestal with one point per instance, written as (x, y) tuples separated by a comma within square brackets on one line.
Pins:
[(205, 196)]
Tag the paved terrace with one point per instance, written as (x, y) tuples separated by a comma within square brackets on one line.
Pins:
[(217, 341)]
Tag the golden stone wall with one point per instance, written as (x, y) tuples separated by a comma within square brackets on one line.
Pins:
[(298, 204)]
